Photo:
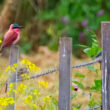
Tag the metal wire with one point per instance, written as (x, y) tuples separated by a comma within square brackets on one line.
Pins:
[(57, 69), (94, 108)]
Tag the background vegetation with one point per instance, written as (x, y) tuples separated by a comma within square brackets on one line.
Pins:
[(45, 21)]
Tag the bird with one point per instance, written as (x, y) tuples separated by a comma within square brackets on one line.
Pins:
[(12, 36), (99, 54)]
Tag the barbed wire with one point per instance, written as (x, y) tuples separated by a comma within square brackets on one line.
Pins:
[(57, 69), (94, 108), (87, 64)]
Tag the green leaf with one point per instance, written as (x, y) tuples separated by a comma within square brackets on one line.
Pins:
[(80, 85), (97, 86), (94, 40), (92, 102), (92, 69), (88, 51), (79, 75), (84, 46), (93, 50)]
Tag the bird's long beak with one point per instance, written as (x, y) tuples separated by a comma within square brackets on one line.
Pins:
[(21, 27)]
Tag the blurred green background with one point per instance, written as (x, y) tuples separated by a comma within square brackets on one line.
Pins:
[(45, 21)]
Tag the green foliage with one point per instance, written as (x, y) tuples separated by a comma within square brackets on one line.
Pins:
[(77, 107), (92, 102), (80, 85), (79, 75), (26, 47), (68, 16), (92, 68), (97, 85), (93, 50), (1, 1)]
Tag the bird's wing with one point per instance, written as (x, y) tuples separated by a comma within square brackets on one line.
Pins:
[(99, 54), (9, 38)]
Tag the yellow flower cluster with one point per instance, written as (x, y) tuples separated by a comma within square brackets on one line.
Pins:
[(5, 101), (30, 65), (28, 101), (25, 76), (21, 88), (0, 41), (34, 105), (15, 65), (11, 89), (46, 99), (43, 84), (36, 92), (11, 85), (11, 68)]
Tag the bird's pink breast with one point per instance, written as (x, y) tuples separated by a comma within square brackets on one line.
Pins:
[(16, 30), (18, 36)]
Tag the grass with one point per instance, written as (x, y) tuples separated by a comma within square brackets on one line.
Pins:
[(46, 59)]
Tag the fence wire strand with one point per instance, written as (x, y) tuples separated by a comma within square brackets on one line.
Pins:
[(57, 69), (94, 108), (98, 60)]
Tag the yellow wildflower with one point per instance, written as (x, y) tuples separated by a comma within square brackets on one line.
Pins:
[(46, 99), (4, 101), (11, 89), (11, 68), (15, 65), (21, 88), (0, 41), (1, 108), (30, 65), (23, 61), (34, 105), (11, 85), (28, 99), (36, 92), (7, 69), (10, 100), (43, 83), (25, 76)]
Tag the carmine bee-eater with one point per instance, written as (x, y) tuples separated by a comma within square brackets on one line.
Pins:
[(12, 36)]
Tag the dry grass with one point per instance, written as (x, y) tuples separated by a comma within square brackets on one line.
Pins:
[(46, 59)]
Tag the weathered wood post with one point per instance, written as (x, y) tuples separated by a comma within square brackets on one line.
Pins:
[(105, 31), (65, 67), (12, 77)]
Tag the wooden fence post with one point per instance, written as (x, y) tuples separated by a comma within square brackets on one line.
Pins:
[(12, 77), (105, 31), (65, 67)]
